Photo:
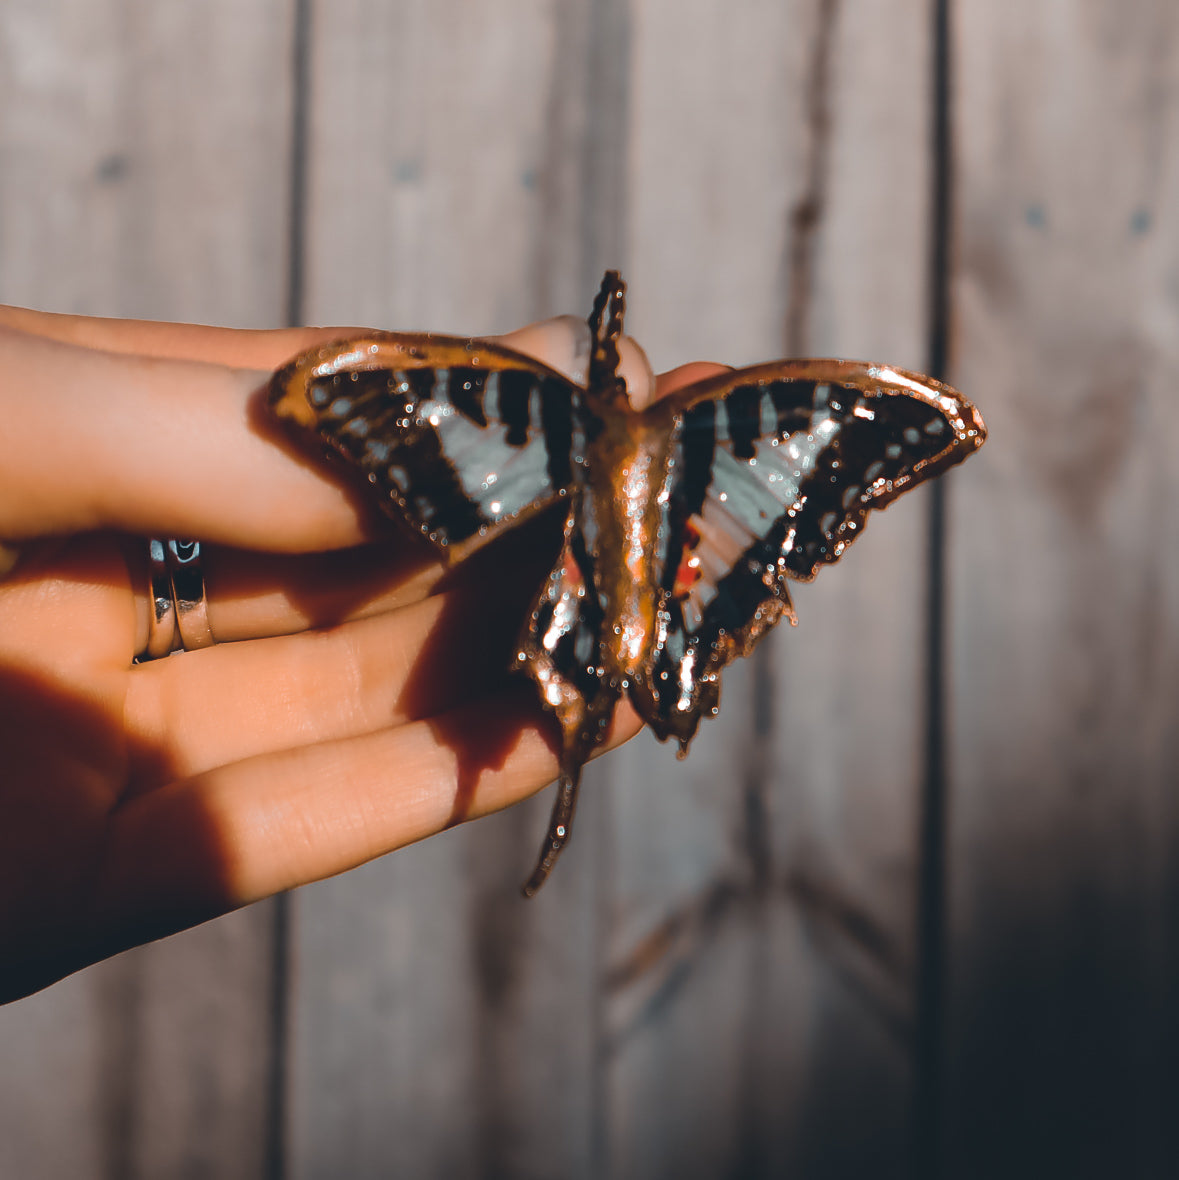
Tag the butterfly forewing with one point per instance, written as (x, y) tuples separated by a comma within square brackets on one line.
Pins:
[(776, 470), (459, 435)]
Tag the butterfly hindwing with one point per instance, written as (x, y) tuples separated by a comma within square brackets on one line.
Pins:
[(560, 647), (459, 435), (776, 471)]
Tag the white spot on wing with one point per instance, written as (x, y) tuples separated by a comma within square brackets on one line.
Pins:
[(482, 459), (721, 425), (768, 420), (491, 398)]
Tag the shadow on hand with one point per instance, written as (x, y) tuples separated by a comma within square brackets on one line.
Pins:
[(65, 761), (79, 883), (495, 589)]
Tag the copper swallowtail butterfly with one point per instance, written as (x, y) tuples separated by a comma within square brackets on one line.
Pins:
[(686, 520)]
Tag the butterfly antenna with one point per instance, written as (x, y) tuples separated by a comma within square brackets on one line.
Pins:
[(560, 825), (605, 325)]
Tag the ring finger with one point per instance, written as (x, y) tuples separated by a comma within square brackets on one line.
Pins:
[(253, 595), (202, 709)]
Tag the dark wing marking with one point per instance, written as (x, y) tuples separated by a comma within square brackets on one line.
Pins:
[(459, 435), (776, 470)]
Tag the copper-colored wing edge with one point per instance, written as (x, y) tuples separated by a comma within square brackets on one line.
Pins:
[(387, 350), (871, 379)]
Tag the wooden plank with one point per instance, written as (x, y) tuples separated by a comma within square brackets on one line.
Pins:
[(144, 173), (442, 1025), (1065, 581), (424, 205), (764, 893)]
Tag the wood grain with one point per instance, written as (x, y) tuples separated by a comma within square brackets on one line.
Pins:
[(1065, 593), (442, 1025), (764, 890), (145, 166), (720, 978)]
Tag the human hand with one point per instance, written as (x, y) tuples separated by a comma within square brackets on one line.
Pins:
[(357, 699)]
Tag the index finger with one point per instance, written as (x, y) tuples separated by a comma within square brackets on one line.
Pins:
[(241, 348), (156, 442), (154, 445)]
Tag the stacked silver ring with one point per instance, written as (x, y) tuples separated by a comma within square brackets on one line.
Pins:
[(179, 612)]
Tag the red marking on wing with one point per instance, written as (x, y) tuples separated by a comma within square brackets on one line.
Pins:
[(572, 571), (688, 573)]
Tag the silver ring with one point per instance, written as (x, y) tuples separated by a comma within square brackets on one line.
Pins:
[(161, 616), (178, 614), (188, 593)]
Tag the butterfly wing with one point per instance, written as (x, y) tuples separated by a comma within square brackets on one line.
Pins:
[(458, 435), (776, 471)]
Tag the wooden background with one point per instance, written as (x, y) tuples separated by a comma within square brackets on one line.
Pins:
[(912, 905)]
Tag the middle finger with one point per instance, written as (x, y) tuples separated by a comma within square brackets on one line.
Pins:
[(195, 711)]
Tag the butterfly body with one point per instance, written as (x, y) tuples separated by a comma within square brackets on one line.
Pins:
[(619, 512), (685, 520)]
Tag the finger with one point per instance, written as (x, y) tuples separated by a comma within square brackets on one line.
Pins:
[(688, 374), (159, 446), (564, 344), (256, 595), (66, 612), (242, 348), (207, 708), (172, 447), (245, 831)]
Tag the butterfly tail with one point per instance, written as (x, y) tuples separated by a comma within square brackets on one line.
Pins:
[(560, 823), (559, 648)]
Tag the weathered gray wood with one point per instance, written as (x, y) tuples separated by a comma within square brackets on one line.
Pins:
[(1065, 581), (143, 171), (425, 200), (764, 891), (443, 1026), (719, 979)]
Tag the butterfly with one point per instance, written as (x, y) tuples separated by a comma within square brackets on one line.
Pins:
[(685, 521)]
